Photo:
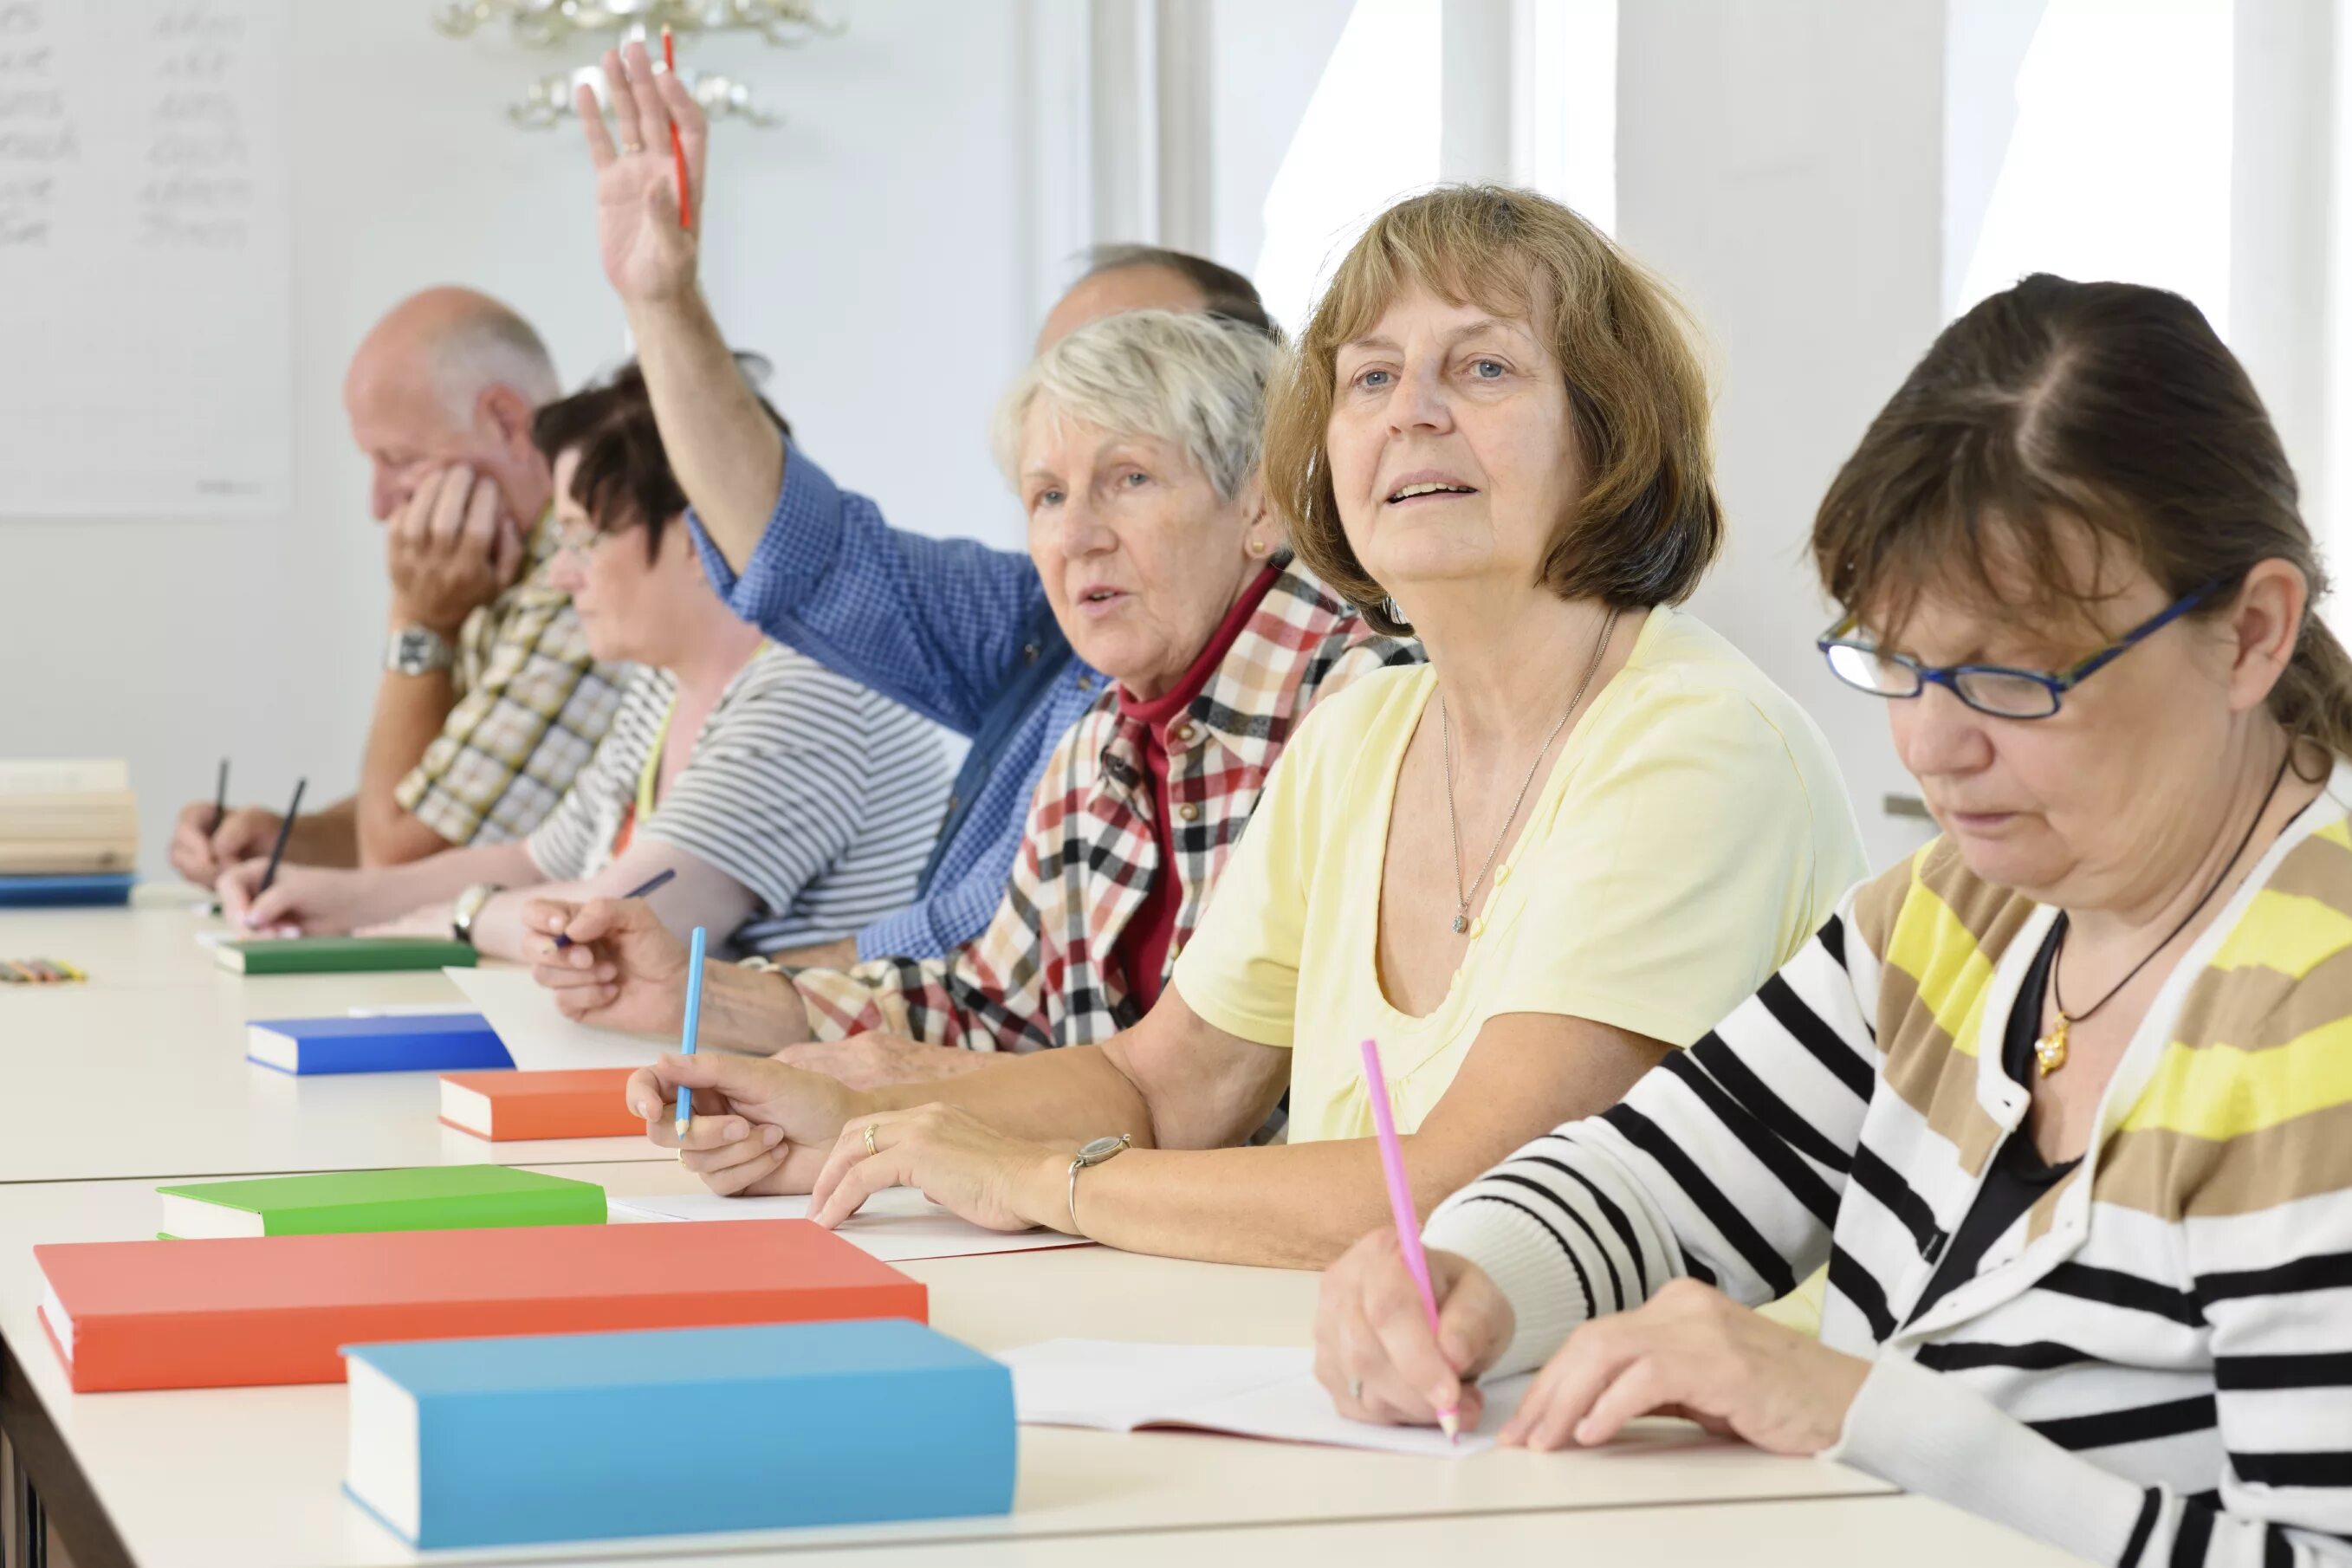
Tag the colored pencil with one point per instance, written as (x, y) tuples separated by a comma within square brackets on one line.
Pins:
[(693, 1025), (641, 891), (220, 797), (1407, 1224), (678, 142), (285, 829)]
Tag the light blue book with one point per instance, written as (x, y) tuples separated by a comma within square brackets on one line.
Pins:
[(584, 1436), (445, 1042)]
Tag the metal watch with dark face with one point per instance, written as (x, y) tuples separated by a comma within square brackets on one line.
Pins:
[(468, 909), (1094, 1153), (418, 650)]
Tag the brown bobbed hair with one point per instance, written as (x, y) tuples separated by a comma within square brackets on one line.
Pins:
[(1648, 524), (2055, 406), (623, 479)]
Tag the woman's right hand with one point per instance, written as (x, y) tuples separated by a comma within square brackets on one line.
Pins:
[(624, 968), (759, 1127), (1373, 1349), (648, 255)]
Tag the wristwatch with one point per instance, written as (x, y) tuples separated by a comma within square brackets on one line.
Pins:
[(468, 909), (418, 650), (1094, 1153)]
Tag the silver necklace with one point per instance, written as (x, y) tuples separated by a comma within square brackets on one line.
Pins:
[(1454, 819)]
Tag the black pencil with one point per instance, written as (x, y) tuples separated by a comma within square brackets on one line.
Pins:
[(639, 891), (220, 798), (285, 828)]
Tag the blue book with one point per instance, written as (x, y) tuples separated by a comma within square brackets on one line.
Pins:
[(65, 892), (582, 1437), (440, 1042)]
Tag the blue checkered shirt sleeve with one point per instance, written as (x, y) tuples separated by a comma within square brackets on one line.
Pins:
[(931, 623)]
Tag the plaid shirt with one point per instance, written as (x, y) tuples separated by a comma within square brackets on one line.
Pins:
[(532, 703), (1041, 974)]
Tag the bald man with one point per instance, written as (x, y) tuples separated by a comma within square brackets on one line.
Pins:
[(488, 701), (954, 630)]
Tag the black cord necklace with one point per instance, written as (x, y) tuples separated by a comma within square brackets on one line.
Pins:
[(2050, 1050)]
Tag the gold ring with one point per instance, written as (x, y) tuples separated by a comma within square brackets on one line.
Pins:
[(871, 1149), (633, 148)]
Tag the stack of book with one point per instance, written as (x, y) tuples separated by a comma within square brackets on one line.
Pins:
[(66, 828)]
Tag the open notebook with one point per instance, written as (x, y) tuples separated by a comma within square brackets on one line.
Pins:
[(897, 1225), (1250, 1391)]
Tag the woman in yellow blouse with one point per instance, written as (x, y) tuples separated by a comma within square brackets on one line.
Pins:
[(1529, 870)]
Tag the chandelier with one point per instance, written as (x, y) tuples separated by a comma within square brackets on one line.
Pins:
[(609, 24)]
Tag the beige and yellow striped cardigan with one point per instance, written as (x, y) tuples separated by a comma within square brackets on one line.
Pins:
[(2154, 1364)]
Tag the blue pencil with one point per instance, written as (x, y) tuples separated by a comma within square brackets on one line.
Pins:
[(693, 1025)]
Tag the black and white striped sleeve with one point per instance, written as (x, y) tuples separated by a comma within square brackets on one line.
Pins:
[(1724, 1163)]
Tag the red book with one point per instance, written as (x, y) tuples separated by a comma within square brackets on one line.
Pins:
[(583, 1102), (277, 1309)]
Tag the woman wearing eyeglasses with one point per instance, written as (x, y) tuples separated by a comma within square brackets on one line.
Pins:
[(2064, 1103)]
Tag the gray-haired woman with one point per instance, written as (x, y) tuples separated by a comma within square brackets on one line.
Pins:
[(1133, 443)]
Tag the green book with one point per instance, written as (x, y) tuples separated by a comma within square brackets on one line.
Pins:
[(343, 955), (429, 1197)]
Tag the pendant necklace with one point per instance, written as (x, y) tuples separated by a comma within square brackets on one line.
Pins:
[(1445, 725), (2050, 1050)]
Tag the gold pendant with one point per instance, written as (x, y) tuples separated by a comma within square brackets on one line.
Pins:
[(2050, 1050)]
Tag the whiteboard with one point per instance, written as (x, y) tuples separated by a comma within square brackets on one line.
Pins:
[(146, 364)]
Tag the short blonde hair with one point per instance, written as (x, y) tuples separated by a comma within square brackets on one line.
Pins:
[(1193, 381), (1648, 525)]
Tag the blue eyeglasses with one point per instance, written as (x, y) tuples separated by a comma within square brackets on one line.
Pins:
[(1991, 689)]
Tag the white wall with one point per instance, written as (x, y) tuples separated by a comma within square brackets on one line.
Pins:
[(1779, 163), (876, 246)]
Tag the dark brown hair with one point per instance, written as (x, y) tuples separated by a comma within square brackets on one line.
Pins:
[(623, 479), (2056, 405), (1224, 291), (1648, 524)]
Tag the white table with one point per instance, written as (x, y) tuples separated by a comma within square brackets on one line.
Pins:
[(142, 1071), (185, 1476), (141, 1074), (1790, 1534)]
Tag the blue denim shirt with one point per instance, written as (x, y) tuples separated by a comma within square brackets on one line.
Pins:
[(956, 631)]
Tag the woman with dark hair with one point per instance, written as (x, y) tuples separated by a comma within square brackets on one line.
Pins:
[(794, 806), (1528, 869), (2065, 1103)]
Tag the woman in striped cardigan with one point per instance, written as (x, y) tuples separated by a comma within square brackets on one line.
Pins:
[(2065, 1103)]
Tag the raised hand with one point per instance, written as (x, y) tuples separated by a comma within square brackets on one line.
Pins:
[(648, 256)]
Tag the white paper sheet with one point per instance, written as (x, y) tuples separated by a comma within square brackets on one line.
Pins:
[(1250, 1391), (897, 1225), (540, 1039)]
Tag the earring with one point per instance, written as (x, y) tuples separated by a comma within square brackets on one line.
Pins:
[(1257, 549)]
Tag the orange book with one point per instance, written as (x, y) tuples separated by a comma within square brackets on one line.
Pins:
[(277, 1308), (583, 1102)]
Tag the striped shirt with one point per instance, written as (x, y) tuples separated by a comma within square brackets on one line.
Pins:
[(1044, 973), (819, 797), (2153, 1364)]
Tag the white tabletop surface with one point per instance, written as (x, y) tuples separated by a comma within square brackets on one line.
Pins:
[(142, 1071), (1835, 1532), (187, 1476)]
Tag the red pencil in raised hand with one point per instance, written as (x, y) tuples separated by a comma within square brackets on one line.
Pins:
[(678, 142)]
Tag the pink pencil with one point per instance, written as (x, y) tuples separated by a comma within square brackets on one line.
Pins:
[(1376, 1083)]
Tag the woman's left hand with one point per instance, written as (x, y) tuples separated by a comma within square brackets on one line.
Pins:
[(958, 1161), (1691, 1352)]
